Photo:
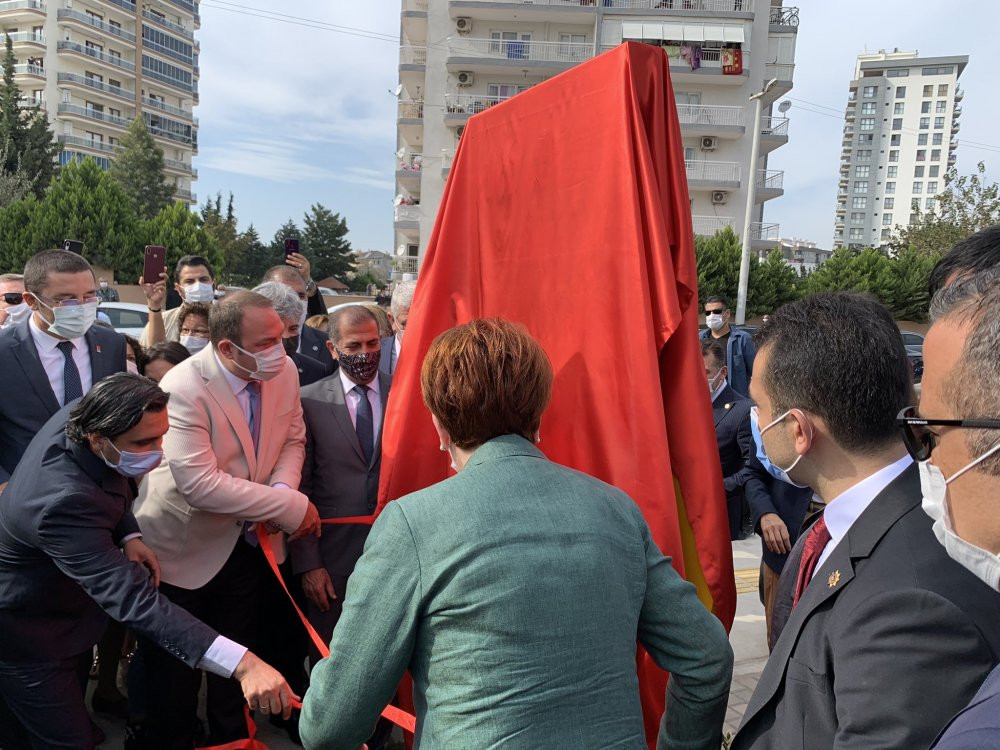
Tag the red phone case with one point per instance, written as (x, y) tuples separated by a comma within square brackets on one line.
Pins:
[(153, 264)]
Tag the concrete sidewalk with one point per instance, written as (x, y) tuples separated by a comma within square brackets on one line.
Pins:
[(749, 634)]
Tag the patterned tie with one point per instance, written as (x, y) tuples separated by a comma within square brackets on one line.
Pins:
[(364, 423), (72, 387), (816, 540), (253, 391)]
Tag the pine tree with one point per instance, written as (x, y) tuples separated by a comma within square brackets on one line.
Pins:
[(325, 236), (180, 231), (138, 168), (223, 229)]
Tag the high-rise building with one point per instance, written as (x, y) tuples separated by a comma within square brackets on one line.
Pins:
[(94, 65), (899, 140), (460, 57)]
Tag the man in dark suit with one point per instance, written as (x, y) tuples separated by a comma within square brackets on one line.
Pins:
[(65, 520), (290, 309), (399, 313), (732, 432), (54, 356), (880, 612), (312, 341)]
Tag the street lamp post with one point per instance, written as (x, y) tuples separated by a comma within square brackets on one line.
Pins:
[(741, 299)]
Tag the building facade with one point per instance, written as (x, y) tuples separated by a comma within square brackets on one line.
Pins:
[(900, 137), (460, 57), (94, 65), (802, 255)]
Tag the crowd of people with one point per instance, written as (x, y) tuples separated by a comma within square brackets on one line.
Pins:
[(142, 481)]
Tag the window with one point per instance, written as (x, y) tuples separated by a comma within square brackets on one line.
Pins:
[(856, 233), (893, 156), (901, 92), (915, 204), (890, 187), (115, 55), (921, 154), (92, 76), (868, 92), (503, 90), (943, 89), (894, 140), (918, 187), (887, 220), (864, 154), (925, 122), (934, 171), (859, 201), (867, 123), (941, 106), (930, 203), (897, 123), (857, 217), (936, 154), (898, 109), (940, 70), (932, 187), (885, 234), (866, 138), (898, 73), (571, 46), (929, 89), (914, 218), (925, 107), (889, 203), (937, 139), (687, 97), (868, 108), (918, 171), (861, 186), (891, 171), (862, 170), (939, 123), (922, 139)]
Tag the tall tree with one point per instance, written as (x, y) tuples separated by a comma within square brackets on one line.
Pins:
[(903, 287), (772, 285), (138, 168), (16, 243), (325, 236), (223, 229), (180, 231), (255, 258)]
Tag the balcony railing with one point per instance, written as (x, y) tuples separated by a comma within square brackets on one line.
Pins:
[(770, 179), (93, 114), (170, 25), (760, 231), (64, 14), (715, 6), (784, 16), (26, 36), (188, 5), (407, 213), (72, 140), (171, 53), (412, 55), (123, 4), (24, 69), (174, 164), (405, 264), (707, 226), (774, 126), (97, 55), (22, 5), (170, 135), (185, 195), (781, 71), (411, 110), (708, 115), (713, 171), (521, 50), (164, 107), (93, 83), (470, 104), (412, 163)]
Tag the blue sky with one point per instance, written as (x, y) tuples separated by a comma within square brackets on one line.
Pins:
[(292, 115)]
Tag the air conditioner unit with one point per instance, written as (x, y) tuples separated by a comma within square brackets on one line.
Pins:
[(463, 24), (709, 142), (465, 78), (719, 197)]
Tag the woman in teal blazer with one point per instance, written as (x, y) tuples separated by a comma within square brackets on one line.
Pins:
[(515, 591)]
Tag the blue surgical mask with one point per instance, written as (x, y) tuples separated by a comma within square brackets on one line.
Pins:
[(775, 471), (135, 465)]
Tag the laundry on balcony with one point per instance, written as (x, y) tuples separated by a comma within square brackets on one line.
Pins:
[(691, 54), (732, 61)]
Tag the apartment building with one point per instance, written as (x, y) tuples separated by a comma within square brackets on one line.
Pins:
[(802, 255), (94, 65), (900, 137), (460, 57)]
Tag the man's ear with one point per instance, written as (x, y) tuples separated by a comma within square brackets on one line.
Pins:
[(332, 349)]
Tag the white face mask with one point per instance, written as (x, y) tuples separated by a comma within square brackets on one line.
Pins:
[(934, 488), (714, 321), (131, 366), (714, 381), (193, 344), (73, 321), (15, 315), (270, 362), (199, 292)]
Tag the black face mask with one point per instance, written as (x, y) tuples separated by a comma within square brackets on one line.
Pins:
[(360, 368), (291, 344)]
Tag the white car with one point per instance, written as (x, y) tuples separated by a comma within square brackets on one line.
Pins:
[(327, 291), (126, 317)]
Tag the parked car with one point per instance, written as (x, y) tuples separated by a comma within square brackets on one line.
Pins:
[(327, 291), (914, 342), (126, 317)]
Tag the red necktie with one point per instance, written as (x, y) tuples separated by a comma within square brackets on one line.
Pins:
[(812, 548)]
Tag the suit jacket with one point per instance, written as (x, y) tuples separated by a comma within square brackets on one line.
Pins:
[(884, 618), (977, 726), (62, 519), (515, 593), (314, 346), (310, 370), (192, 507), (387, 362), (740, 354), (732, 433), (27, 400), (336, 478), (765, 494)]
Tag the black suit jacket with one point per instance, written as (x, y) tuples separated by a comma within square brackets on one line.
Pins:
[(732, 432), (62, 519), (314, 346), (765, 494), (886, 618), (310, 370), (26, 398)]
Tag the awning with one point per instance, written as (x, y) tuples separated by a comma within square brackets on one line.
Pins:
[(673, 32), (714, 33), (693, 33), (632, 30), (733, 34)]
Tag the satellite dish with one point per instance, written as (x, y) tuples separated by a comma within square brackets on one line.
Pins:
[(397, 201), (784, 106), (398, 90), (400, 249), (401, 153)]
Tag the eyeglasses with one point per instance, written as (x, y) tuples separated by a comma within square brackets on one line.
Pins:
[(73, 302), (13, 298), (201, 332), (920, 442)]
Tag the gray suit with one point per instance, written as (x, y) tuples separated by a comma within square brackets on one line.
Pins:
[(337, 480), (388, 361), (27, 399), (885, 619)]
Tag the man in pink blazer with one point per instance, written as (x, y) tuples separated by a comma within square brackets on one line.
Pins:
[(233, 460)]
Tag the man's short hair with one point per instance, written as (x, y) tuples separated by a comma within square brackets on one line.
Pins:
[(225, 319), (40, 265), (713, 350), (971, 388), (402, 297), (717, 298), (839, 356), (173, 352), (351, 315), (187, 261), (285, 301), (11, 277), (113, 406), (978, 252), (283, 274)]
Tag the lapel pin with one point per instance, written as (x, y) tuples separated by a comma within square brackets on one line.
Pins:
[(729, 406), (834, 579), (98, 348)]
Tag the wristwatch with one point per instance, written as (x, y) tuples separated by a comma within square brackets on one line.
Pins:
[(311, 288)]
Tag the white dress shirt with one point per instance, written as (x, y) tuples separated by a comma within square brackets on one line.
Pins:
[(719, 390), (353, 399), (396, 346), (238, 386), (53, 361), (844, 510)]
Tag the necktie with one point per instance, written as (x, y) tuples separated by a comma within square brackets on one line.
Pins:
[(812, 548), (72, 387), (253, 391), (364, 423)]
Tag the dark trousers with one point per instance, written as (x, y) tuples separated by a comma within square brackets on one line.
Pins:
[(41, 705), (283, 640)]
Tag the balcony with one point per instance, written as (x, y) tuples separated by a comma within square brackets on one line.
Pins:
[(784, 19), (125, 5), (411, 110), (711, 175), (169, 135), (14, 7), (704, 119), (707, 226), (175, 28), (185, 195), (95, 85), (189, 5), (783, 73), (27, 37), (770, 184), (489, 55), (959, 95), (72, 140), (177, 83), (764, 236), (713, 6), (180, 166), (406, 220), (169, 108), (408, 171), (413, 56), (65, 15), (93, 114), (405, 264), (112, 60), (458, 107), (25, 69), (159, 49), (29, 102)]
